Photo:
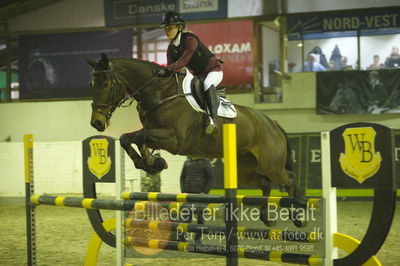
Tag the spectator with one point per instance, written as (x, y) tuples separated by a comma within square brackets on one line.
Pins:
[(394, 59), (312, 65), (196, 177), (376, 63), (344, 64), (321, 58), (335, 62)]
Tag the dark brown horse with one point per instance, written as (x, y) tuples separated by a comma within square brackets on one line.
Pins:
[(170, 123)]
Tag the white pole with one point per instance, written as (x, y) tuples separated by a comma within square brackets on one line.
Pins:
[(329, 196), (119, 185)]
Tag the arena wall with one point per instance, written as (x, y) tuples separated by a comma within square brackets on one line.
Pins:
[(59, 127), (58, 170)]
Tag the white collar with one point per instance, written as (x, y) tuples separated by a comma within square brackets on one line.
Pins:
[(177, 40)]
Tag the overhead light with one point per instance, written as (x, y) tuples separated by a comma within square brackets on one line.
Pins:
[(300, 44)]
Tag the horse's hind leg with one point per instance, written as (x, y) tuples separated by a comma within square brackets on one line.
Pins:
[(294, 192), (289, 181), (265, 185), (291, 187)]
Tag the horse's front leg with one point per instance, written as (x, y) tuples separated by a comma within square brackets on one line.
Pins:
[(160, 139), (126, 141), (155, 138)]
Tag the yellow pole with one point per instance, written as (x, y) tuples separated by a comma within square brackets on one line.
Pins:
[(92, 253), (230, 161), (28, 152), (230, 184)]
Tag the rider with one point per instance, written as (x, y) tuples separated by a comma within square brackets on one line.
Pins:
[(187, 50)]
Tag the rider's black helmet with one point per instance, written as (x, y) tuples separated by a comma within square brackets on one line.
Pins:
[(172, 18)]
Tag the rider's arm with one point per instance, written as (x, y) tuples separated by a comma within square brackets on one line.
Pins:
[(190, 47), (170, 58)]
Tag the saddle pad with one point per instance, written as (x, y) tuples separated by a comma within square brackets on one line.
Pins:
[(226, 108)]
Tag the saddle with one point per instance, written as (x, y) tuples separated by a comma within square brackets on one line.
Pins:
[(194, 93)]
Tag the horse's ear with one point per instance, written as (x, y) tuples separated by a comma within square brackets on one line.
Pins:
[(91, 63), (104, 60)]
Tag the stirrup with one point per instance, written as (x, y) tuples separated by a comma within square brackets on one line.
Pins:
[(212, 127)]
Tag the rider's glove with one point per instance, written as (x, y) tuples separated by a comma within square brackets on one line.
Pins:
[(163, 72)]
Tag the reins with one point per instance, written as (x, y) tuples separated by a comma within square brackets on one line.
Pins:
[(115, 80)]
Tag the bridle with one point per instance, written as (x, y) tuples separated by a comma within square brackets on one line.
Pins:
[(115, 82), (112, 82)]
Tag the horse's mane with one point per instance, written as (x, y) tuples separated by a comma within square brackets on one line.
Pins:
[(129, 61)]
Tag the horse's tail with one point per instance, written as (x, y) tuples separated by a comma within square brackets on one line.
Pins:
[(289, 165)]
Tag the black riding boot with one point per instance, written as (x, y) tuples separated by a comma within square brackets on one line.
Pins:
[(212, 100)]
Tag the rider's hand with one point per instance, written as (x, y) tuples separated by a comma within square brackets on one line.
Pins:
[(162, 72)]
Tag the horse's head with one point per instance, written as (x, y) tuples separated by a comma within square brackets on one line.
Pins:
[(108, 92)]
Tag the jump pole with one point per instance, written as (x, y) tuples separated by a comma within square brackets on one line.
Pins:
[(329, 196), (29, 207), (230, 185), (119, 215)]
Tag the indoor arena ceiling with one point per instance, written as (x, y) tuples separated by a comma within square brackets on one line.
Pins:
[(13, 8)]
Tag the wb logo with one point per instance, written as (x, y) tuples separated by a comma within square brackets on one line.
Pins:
[(360, 161), (362, 146), (99, 152), (99, 163)]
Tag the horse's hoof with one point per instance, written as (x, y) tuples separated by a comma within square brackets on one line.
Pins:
[(300, 223), (151, 170), (148, 169), (140, 165), (298, 219), (268, 223), (160, 164)]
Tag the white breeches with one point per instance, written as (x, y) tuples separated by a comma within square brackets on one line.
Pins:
[(213, 78)]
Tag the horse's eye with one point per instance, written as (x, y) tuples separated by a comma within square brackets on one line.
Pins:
[(91, 83)]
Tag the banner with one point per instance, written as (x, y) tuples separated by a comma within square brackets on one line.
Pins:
[(306, 156), (357, 92), (344, 24), (232, 43), (54, 66), (139, 12)]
